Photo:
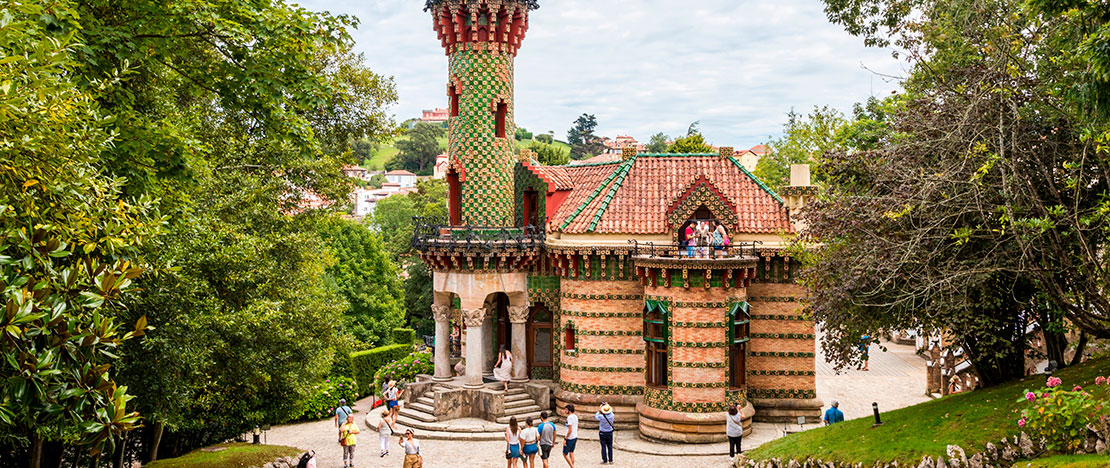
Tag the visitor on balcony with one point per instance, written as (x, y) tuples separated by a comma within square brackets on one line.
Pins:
[(719, 239), (688, 238), (702, 233)]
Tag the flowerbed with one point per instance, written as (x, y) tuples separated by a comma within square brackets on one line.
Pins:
[(404, 369), (1061, 416), (326, 396)]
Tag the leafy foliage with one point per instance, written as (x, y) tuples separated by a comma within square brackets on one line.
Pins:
[(326, 395), (366, 363), (549, 154), (405, 369), (657, 143), (1061, 416), (692, 143), (802, 142), (418, 150), (581, 138), (545, 139), (364, 274), (403, 335)]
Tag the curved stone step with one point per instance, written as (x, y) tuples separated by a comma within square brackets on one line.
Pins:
[(417, 415), (518, 403), (520, 417)]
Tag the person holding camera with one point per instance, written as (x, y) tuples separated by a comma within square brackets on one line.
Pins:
[(604, 417)]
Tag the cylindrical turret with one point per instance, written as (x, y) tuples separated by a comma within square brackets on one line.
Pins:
[(481, 37)]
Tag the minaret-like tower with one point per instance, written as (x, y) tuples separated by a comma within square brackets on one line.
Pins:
[(481, 38)]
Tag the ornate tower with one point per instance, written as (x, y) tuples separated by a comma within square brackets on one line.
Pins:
[(481, 38)]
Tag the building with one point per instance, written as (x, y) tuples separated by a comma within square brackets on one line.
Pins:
[(583, 271), (400, 177), (749, 158), (615, 146), (355, 171), (436, 115), (440, 169)]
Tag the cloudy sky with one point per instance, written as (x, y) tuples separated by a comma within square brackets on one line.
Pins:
[(644, 66)]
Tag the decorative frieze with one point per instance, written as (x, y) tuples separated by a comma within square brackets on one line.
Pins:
[(700, 365), (775, 299), (663, 399), (699, 324), (602, 389), (602, 369), (781, 372), (784, 336), (609, 351), (780, 354), (699, 384), (699, 344), (578, 313), (779, 317), (616, 297), (609, 332), (781, 393)]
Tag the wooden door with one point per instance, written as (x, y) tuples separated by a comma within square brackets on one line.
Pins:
[(540, 343)]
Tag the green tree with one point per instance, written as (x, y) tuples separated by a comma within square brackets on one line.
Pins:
[(549, 154), (365, 275), (692, 143), (802, 141), (68, 240), (418, 150), (582, 140), (545, 139), (657, 143), (362, 149), (523, 134)]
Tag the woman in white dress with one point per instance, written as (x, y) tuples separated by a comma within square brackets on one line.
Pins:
[(503, 369)]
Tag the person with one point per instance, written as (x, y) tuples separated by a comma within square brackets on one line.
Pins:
[(412, 450), (570, 439), (734, 430), (690, 241), (723, 233), (529, 436), (864, 347), (347, 440), (716, 238), (833, 415), (703, 238), (392, 398), (512, 439), (604, 417), (341, 412), (547, 437), (386, 428), (503, 369)]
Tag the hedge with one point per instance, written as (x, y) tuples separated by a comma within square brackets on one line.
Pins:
[(366, 363), (405, 369), (403, 335), (326, 395)]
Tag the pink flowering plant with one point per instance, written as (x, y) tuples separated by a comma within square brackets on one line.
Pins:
[(326, 395), (1059, 415), (404, 369)]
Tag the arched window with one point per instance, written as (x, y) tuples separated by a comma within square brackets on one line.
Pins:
[(656, 334), (499, 119), (569, 337), (454, 197), (454, 101), (738, 321)]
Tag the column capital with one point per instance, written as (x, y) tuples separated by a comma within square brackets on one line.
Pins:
[(441, 313), (518, 314), (474, 317)]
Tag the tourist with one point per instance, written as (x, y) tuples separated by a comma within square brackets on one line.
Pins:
[(690, 241), (604, 417), (512, 440), (833, 415), (864, 347), (547, 437), (570, 439), (723, 233), (386, 428), (703, 238), (734, 430), (392, 398), (412, 450), (716, 238), (503, 369), (529, 436), (347, 440), (341, 412)]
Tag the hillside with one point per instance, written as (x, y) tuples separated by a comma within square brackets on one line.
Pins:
[(387, 151), (969, 420)]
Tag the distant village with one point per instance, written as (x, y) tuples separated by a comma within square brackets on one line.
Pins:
[(401, 182)]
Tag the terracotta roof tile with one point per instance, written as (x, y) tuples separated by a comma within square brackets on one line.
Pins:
[(555, 176), (633, 197)]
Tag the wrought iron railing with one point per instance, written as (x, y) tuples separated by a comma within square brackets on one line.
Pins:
[(431, 233), (674, 250)]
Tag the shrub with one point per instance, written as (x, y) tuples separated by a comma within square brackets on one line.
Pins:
[(405, 369), (403, 335), (326, 396), (366, 363), (1059, 415)]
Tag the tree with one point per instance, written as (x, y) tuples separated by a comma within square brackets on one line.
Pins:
[(693, 143), (68, 244), (549, 154), (523, 134), (658, 143), (582, 140), (545, 139), (418, 150), (803, 140), (362, 149)]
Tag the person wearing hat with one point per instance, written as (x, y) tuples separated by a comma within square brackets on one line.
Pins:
[(392, 395), (604, 417), (341, 412), (413, 459)]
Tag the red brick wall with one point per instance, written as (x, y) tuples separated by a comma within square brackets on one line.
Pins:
[(632, 304), (770, 299)]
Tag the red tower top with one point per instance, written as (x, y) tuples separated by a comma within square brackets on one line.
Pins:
[(496, 24)]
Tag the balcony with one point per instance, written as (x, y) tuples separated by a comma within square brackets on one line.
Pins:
[(443, 246), (666, 264)]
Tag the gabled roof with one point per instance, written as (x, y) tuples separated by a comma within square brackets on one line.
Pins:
[(555, 176), (400, 172), (633, 196)]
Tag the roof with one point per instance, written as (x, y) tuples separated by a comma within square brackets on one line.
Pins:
[(637, 195), (555, 176), (759, 149), (601, 158), (352, 168), (400, 172)]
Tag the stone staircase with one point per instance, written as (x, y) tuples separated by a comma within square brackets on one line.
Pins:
[(420, 416)]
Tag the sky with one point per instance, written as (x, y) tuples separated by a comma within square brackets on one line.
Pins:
[(644, 66)]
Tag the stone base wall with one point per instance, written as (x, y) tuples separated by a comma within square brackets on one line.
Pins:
[(468, 403), (673, 426), (624, 408)]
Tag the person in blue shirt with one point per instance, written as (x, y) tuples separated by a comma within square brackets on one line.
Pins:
[(604, 417), (833, 415)]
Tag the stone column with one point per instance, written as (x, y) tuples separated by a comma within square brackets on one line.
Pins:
[(518, 316), (475, 355), (442, 315), (489, 340)]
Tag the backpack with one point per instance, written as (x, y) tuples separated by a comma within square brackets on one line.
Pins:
[(308, 460)]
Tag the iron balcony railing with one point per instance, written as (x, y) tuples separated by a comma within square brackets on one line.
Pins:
[(673, 250), (437, 233)]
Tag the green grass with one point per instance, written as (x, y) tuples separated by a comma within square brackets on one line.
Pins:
[(1067, 461), (969, 420), (556, 143), (237, 455), (387, 151)]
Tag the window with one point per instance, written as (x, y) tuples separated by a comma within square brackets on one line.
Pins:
[(656, 333), (454, 197), (454, 101), (499, 119), (529, 209), (568, 336), (738, 321)]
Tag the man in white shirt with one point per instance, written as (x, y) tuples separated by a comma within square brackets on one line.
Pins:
[(570, 440)]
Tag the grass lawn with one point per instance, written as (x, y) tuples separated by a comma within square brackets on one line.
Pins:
[(1067, 461), (387, 151), (237, 455), (969, 420)]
